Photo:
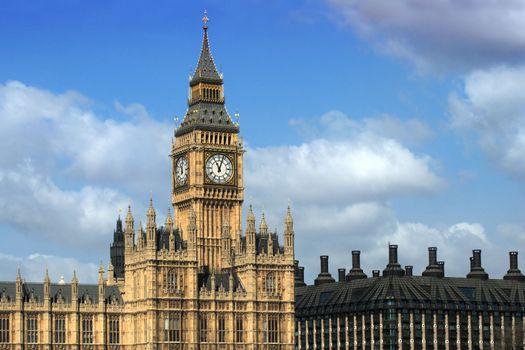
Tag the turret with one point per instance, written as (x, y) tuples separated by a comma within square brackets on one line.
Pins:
[(19, 291), (192, 230), (169, 227), (101, 284), (129, 234), (288, 234), (111, 274), (225, 238), (269, 248), (151, 226), (250, 232), (141, 239), (324, 276), (476, 271), (74, 289), (47, 288), (263, 227)]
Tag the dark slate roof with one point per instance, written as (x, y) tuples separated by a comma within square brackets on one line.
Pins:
[(207, 116), (416, 292), (163, 239), (60, 292), (206, 71)]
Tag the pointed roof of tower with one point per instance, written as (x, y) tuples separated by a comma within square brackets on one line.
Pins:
[(129, 215), (169, 219), (288, 218), (263, 227), (206, 114), (206, 70)]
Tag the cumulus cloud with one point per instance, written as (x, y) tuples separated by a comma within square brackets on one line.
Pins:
[(65, 170), (32, 268), (340, 181), (440, 34), (491, 105), (324, 171)]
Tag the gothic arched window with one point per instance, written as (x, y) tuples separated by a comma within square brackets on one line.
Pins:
[(171, 281), (270, 283)]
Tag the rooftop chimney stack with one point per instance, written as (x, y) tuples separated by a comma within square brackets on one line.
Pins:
[(409, 270), (341, 274), (324, 276), (441, 265), (393, 268), (514, 272), (356, 272), (432, 269), (298, 274), (476, 271)]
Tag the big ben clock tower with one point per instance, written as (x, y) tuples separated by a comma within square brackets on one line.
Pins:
[(207, 163)]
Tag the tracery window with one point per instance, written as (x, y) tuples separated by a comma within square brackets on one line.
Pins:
[(271, 329), (203, 328), (221, 329), (270, 283), (60, 329), (114, 329), (239, 336), (173, 281), (87, 329), (4, 329), (172, 327), (32, 329)]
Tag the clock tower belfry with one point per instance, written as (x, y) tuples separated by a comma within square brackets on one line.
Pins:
[(207, 165)]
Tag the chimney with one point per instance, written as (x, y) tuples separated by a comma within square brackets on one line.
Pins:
[(408, 270), (356, 272), (301, 275), (476, 271), (341, 275), (393, 268), (514, 273), (392, 254), (324, 276), (441, 265), (432, 269), (375, 273), (298, 279)]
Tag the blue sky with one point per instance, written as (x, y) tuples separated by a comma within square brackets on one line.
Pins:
[(398, 122)]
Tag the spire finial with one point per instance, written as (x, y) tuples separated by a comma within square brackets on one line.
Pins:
[(205, 20)]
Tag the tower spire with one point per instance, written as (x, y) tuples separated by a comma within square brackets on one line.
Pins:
[(206, 70)]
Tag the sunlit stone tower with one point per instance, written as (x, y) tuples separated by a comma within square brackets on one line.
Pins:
[(195, 282)]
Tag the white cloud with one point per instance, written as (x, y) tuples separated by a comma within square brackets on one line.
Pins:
[(492, 105), (440, 34), (336, 170), (65, 170), (33, 267)]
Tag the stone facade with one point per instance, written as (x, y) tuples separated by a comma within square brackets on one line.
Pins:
[(196, 282)]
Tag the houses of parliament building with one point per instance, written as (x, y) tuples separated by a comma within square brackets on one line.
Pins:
[(197, 281)]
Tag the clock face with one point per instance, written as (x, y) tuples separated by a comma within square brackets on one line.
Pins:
[(181, 170), (219, 168)]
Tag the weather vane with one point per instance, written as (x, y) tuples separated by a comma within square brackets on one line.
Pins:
[(205, 19)]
